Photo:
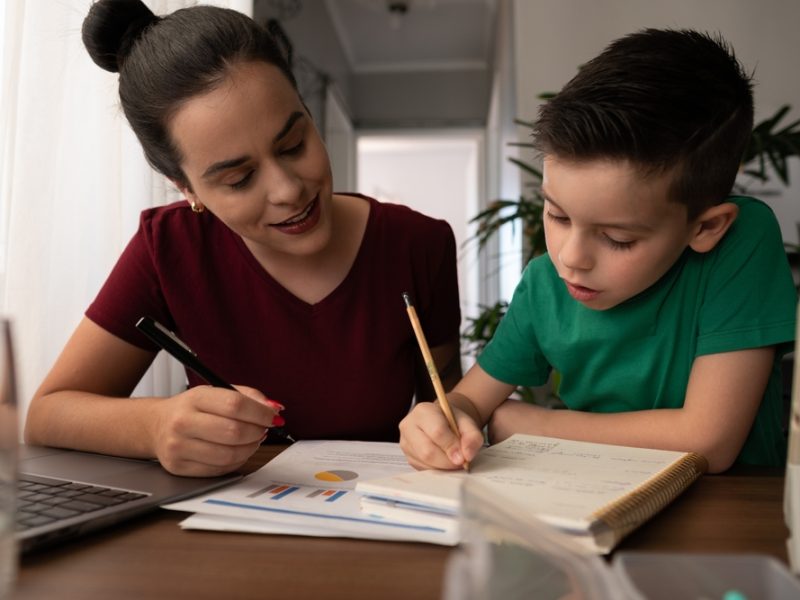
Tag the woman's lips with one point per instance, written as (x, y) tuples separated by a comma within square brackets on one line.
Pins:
[(301, 222), (581, 293)]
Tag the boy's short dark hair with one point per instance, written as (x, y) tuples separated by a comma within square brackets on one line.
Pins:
[(666, 100)]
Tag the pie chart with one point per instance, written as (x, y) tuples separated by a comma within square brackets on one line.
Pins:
[(335, 475)]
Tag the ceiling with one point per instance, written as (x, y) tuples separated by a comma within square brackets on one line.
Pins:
[(380, 36)]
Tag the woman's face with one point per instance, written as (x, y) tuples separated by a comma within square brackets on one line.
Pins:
[(254, 158)]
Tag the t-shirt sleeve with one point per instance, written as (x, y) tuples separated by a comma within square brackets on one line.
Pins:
[(513, 354), (751, 299), (441, 315), (131, 291)]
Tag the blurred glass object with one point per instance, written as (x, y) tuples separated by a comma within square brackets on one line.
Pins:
[(8, 461)]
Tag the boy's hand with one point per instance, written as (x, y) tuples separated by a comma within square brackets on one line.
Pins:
[(207, 431), (429, 443)]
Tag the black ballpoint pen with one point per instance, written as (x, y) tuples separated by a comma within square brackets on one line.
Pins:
[(170, 343)]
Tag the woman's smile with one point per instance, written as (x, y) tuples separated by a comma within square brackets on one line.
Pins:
[(302, 222)]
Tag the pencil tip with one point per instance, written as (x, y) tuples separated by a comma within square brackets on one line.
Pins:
[(407, 298), (466, 466)]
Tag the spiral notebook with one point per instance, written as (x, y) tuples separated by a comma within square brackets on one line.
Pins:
[(597, 493)]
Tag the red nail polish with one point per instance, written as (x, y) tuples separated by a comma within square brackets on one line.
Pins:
[(274, 405), (278, 421)]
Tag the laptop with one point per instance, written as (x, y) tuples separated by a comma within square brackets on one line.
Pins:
[(63, 494)]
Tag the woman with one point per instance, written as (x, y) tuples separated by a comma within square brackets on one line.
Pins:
[(281, 286)]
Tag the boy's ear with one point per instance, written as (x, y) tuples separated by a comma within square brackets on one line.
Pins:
[(711, 225)]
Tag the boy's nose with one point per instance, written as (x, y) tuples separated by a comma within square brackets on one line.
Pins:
[(574, 254)]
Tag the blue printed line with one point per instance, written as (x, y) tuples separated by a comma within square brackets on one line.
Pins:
[(336, 496), (321, 516), (284, 493)]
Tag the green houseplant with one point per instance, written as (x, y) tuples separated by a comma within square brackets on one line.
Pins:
[(767, 154)]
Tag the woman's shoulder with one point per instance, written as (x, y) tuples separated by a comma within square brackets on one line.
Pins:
[(175, 221), (402, 218), (168, 215)]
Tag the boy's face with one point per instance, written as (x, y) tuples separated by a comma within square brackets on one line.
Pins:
[(611, 233)]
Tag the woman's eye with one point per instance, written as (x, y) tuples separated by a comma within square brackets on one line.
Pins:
[(242, 183), (296, 149)]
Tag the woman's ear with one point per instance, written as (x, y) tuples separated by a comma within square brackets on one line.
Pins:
[(191, 197), (711, 226)]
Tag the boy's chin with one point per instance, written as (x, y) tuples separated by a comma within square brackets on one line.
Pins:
[(601, 303)]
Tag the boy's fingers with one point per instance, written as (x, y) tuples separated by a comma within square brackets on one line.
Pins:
[(455, 455), (422, 452), (471, 443)]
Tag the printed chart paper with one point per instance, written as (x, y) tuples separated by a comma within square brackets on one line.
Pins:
[(309, 489)]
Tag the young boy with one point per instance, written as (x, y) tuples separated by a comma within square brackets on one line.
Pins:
[(664, 304)]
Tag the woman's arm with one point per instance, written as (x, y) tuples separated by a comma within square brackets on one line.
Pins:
[(447, 358), (722, 399), (83, 404)]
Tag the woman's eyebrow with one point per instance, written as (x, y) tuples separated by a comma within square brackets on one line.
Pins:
[(288, 125), (222, 166), (235, 162)]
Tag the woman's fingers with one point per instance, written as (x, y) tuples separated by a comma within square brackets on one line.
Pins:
[(209, 430), (199, 458)]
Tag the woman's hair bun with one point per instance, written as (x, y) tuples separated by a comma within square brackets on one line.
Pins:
[(111, 28)]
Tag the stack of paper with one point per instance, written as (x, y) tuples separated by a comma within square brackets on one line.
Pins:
[(597, 493), (308, 489)]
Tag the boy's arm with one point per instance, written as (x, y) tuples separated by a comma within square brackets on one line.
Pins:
[(722, 398), (425, 436)]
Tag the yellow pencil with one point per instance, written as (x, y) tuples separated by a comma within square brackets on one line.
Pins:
[(437, 383)]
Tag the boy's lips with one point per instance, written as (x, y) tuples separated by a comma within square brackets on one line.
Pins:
[(581, 293)]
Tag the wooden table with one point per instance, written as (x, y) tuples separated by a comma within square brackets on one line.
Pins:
[(152, 558)]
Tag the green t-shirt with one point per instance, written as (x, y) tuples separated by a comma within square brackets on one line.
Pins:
[(638, 354)]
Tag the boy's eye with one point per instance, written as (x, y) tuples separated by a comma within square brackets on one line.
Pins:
[(618, 245), (241, 183)]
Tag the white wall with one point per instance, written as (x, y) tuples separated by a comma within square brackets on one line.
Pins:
[(553, 37), (502, 258), (340, 140), (313, 36)]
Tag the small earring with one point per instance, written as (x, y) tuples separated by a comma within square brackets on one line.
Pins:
[(196, 206)]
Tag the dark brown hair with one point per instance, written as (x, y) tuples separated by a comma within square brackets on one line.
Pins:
[(164, 61), (668, 101)]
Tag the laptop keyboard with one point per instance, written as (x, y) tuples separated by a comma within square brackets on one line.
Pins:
[(43, 500)]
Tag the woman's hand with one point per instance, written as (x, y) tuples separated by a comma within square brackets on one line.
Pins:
[(429, 443), (208, 431)]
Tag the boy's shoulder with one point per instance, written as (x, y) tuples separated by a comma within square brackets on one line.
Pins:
[(753, 206), (756, 223)]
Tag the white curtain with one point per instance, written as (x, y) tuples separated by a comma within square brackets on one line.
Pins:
[(74, 180)]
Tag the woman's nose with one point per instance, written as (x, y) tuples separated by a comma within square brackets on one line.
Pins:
[(281, 185)]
